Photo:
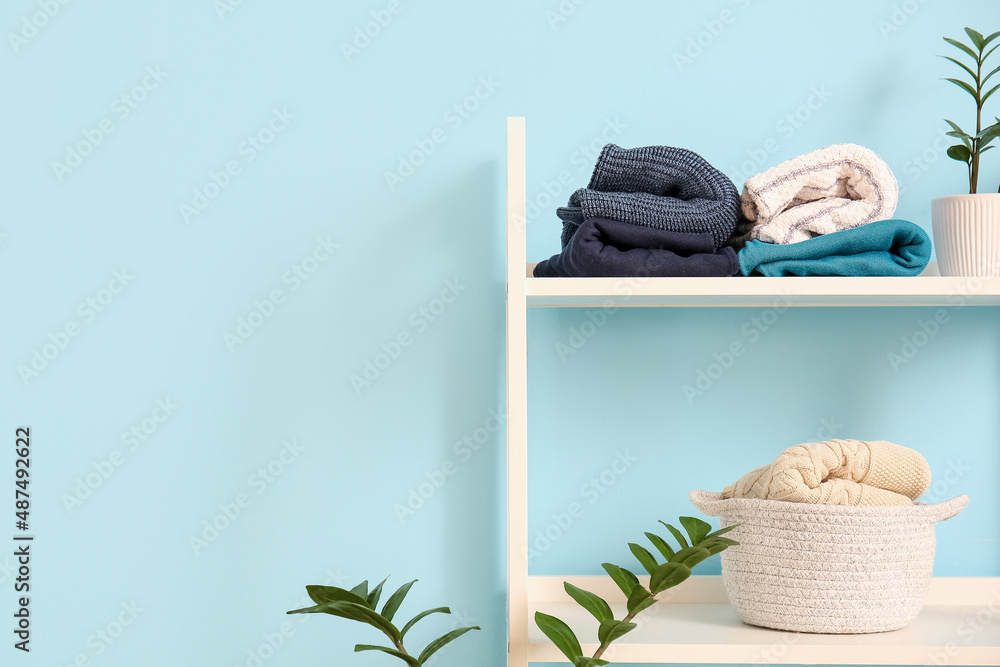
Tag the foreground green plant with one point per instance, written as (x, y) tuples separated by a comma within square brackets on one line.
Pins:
[(358, 604), (662, 576), (973, 146)]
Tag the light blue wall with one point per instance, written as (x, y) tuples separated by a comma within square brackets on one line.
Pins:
[(333, 513)]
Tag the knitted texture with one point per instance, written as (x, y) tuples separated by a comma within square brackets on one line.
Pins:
[(828, 190), (839, 472), (827, 568), (608, 248), (666, 188), (883, 248)]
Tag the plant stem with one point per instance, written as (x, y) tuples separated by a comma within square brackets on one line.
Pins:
[(604, 647), (974, 175)]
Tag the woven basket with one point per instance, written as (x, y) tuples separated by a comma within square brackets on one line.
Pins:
[(827, 568)]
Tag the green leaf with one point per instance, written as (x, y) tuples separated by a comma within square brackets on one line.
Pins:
[(962, 65), (584, 661), (989, 93), (559, 634), (723, 531), (667, 576), (361, 590), (363, 614), (696, 528), (323, 594), (677, 535), (960, 153), (959, 133), (639, 600), (597, 607), (643, 556), (966, 87), (661, 545), (717, 544), (318, 609), (410, 660), (988, 134), (422, 615), (990, 75), (443, 641), (376, 594), (396, 599), (988, 148), (613, 630), (959, 45), (989, 39), (624, 578), (690, 556), (976, 37), (990, 52)]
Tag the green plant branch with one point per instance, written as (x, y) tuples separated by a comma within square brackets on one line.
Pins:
[(974, 145), (675, 569), (359, 605)]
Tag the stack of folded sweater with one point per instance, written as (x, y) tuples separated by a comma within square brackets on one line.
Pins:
[(660, 211), (653, 211), (828, 213), (839, 472)]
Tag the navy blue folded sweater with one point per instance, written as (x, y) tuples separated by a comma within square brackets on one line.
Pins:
[(666, 188), (608, 248)]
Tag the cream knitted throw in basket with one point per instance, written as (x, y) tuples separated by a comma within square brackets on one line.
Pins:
[(827, 568)]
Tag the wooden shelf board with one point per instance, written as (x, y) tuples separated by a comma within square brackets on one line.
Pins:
[(959, 625), (924, 290)]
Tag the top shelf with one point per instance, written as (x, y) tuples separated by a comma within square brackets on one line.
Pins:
[(927, 289)]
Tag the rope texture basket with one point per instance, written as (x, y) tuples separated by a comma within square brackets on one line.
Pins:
[(827, 568)]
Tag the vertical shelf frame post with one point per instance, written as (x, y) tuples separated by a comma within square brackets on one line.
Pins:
[(517, 400)]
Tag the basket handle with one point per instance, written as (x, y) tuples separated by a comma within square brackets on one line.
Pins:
[(706, 501), (947, 509)]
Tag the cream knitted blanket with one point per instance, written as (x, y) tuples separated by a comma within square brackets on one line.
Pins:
[(839, 472), (828, 190)]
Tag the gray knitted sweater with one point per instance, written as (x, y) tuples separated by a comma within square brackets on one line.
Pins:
[(667, 188)]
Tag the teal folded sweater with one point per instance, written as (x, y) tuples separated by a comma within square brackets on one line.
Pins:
[(883, 248)]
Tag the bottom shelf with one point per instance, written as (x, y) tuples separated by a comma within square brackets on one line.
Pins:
[(959, 625)]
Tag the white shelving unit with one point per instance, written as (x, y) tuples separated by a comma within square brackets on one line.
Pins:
[(960, 623)]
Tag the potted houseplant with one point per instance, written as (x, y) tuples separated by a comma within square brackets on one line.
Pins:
[(967, 227)]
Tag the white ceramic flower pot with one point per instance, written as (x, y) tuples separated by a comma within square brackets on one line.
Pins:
[(967, 234)]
